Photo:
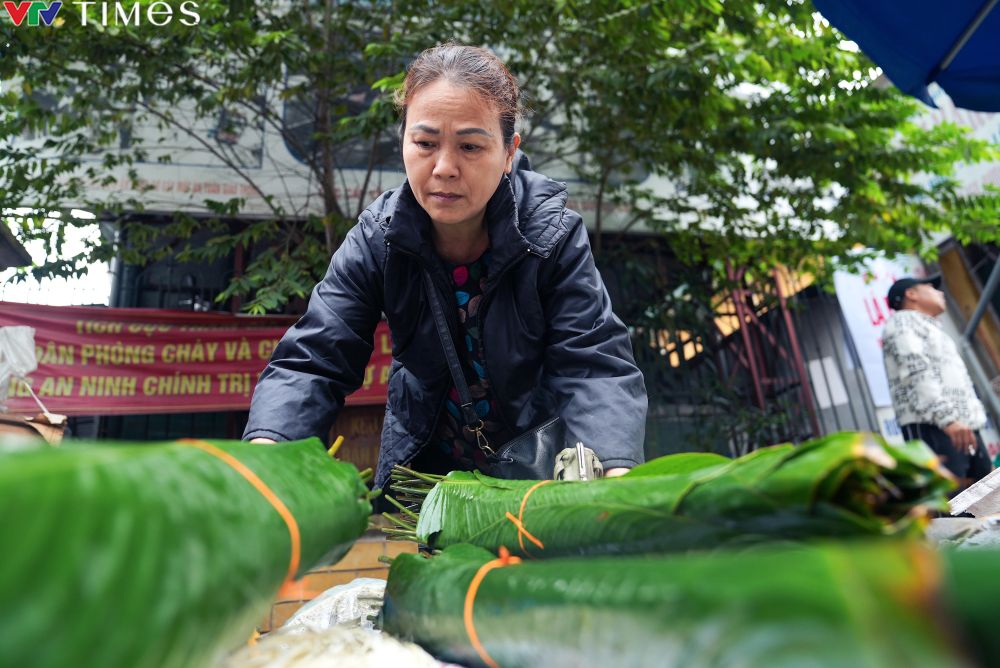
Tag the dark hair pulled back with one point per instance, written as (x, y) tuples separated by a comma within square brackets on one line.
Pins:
[(470, 67)]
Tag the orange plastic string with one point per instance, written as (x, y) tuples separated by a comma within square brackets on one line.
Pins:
[(266, 492), (505, 559), (521, 531), (519, 522)]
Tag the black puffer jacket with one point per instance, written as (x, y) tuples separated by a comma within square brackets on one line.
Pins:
[(551, 343)]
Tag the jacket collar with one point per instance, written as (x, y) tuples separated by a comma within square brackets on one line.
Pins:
[(409, 226), (524, 215)]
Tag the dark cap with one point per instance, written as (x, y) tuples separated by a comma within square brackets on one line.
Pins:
[(899, 288)]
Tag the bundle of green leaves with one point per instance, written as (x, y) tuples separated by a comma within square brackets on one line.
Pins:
[(848, 484), (886, 603), (132, 555)]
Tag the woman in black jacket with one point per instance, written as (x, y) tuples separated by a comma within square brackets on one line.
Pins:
[(528, 311)]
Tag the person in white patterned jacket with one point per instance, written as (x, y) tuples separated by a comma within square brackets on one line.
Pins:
[(932, 393)]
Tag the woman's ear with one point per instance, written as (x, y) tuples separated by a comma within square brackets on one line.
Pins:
[(511, 150)]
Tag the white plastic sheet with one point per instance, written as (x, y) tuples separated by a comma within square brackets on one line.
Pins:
[(340, 646), (966, 533), (335, 629), (17, 355), (354, 604), (981, 499)]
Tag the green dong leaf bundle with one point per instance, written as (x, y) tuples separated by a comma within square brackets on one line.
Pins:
[(885, 603), (160, 555), (848, 484)]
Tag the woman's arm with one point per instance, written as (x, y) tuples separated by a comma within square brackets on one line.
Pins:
[(588, 358), (322, 358)]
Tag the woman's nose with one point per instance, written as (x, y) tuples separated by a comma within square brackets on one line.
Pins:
[(446, 165)]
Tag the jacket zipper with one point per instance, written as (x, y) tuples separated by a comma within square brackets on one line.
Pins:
[(482, 335)]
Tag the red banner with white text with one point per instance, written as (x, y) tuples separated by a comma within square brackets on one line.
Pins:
[(105, 361)]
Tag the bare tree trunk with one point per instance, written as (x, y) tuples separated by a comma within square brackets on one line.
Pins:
[(331, 207), (363, 197)]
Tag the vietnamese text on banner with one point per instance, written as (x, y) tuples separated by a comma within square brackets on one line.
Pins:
[(104, 361)]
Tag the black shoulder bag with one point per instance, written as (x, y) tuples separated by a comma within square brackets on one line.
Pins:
[(529, 456)]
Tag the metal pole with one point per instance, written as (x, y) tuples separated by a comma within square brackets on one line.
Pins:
[(799, 364), (981, 379), (962, 40), (737, 296), (984, 301), (969, 353)]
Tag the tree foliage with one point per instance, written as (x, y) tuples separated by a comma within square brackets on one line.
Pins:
[(746, 133)]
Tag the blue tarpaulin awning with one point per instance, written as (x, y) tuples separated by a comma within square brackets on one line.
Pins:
[(954, 43)]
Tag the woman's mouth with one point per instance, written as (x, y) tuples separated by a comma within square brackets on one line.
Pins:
[(445, 197)]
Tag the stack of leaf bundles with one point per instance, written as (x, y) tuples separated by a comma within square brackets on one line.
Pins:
[(161, 555), (848, 484)]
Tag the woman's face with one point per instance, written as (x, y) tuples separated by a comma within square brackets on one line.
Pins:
[(453, 152)]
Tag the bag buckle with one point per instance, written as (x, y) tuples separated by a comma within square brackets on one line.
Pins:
[(481, 440)]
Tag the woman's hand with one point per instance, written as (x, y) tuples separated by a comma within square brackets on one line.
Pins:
[(261, 439), (616, 472)]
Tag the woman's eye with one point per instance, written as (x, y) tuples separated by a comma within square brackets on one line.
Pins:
[(470, 148), (424, 144)]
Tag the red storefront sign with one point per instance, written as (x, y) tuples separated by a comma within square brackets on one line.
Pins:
[(104, 361)]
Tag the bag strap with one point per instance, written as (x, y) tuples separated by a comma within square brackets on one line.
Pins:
[(472, 421)]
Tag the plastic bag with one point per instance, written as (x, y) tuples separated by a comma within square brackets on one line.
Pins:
[(980, 499), (356, 603), (17, 355)]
